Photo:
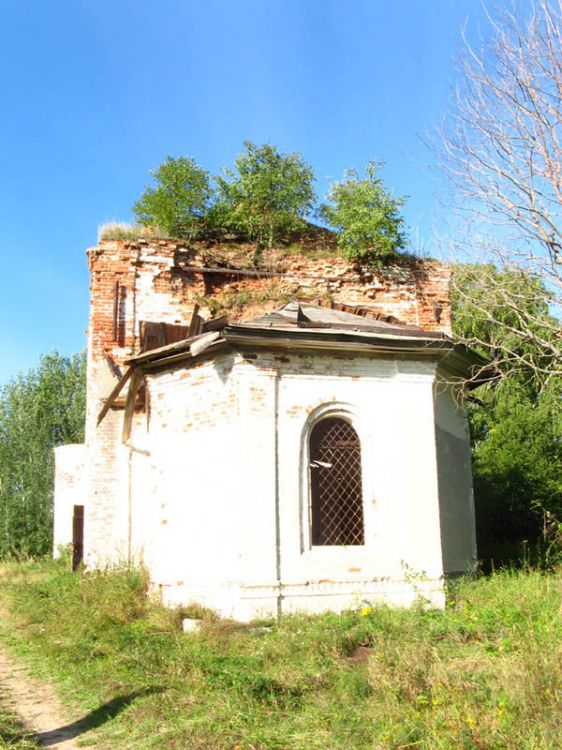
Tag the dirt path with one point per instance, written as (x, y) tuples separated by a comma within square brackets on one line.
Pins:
[(38, 707)]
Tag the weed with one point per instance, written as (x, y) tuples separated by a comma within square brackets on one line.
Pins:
[(234, 300), (118, 230), (12, 734), (484, 673)]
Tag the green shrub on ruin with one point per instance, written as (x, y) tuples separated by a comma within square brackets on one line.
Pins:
[(267, 195), (366, 216), (178, 201)]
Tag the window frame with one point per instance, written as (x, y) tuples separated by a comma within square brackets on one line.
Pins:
[(346, 413)]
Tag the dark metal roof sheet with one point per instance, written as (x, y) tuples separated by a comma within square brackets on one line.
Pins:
[(299, 321), (296, 315), (301, 325)]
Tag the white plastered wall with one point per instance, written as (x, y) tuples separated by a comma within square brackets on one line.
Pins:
[(70, 490), (456, 501), (219, 506), (185, 517), (390, 404)]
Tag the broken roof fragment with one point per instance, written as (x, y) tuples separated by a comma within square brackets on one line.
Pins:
[(307, 315), (303, 325)]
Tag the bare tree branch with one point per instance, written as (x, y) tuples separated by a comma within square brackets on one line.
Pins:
[(500, 149)]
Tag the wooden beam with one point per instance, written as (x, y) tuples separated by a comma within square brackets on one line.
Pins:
[(255, 273), (195, 323), (146, 356), (215, 324), (114, 393), (136, 380), (115, 310)]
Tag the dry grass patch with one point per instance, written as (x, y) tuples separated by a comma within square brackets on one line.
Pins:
[(120, 230)]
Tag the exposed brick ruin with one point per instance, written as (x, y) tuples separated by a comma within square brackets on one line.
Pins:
[(162, 281)]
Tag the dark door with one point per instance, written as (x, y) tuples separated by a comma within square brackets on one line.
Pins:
[(77, 536)]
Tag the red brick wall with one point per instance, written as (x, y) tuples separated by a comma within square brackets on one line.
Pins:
[(156, 283)]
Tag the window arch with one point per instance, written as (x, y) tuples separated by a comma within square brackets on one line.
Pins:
[(336, 496)]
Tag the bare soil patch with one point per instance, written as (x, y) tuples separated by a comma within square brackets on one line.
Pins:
[(38, 707)]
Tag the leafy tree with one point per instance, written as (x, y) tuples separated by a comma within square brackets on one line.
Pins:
[(515, 419), (366, 216), (504, 313), (179, 202), (267, 195), (39, 410), (517, 464)]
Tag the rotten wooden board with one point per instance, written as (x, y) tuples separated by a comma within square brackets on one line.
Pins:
[(114, 393)]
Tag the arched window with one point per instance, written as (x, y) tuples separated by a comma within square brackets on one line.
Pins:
[(335, 484)]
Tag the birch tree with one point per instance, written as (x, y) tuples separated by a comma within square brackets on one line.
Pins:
[(39, 410)]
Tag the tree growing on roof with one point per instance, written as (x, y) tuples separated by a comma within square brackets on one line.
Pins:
[(179, 201), (366, 216), (266, 195)]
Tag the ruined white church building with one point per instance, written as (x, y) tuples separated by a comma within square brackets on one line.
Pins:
[(307, 453)]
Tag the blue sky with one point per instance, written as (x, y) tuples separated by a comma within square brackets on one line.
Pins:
[(96, 92)]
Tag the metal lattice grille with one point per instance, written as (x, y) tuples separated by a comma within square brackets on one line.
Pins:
[(335, 483)]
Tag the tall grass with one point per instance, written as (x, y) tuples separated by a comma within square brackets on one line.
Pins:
[(13, 736), (484, 673)]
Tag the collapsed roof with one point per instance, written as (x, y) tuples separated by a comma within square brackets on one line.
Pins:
[(303, 325), (300, 326)]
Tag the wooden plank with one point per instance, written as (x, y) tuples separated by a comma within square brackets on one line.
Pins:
[(130, 404), (202, 342), (196, 322), (150, 335), (155, 335), (215, 324), (183, 344), (115, 309), (114, 393), (146, 356), (174, 332), (175, 358)]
